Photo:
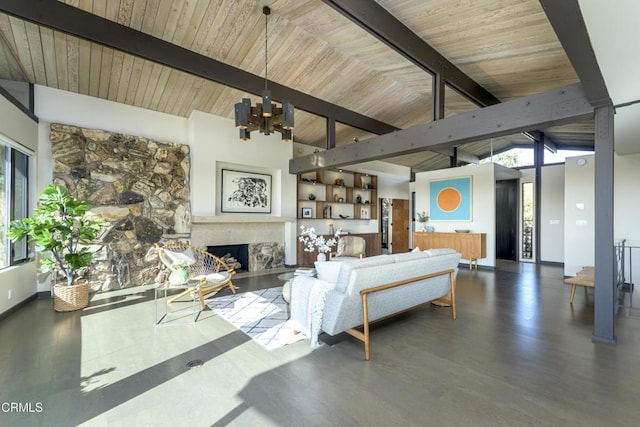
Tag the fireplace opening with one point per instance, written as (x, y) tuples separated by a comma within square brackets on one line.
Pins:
[(239, 253)]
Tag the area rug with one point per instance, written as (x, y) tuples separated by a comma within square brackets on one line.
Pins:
[(262, 315)]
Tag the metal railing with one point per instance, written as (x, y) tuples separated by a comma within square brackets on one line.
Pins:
[(627, 258)]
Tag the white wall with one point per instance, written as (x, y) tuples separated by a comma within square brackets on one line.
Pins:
[(552, 214), (626, 202), (59, 106), (579, 233), (483, 203), (579, 188), (17, 126), (215, 144), (626, 211), (22, 130)]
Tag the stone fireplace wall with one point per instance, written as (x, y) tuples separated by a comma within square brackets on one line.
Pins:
[(264, 256), (138, 187)]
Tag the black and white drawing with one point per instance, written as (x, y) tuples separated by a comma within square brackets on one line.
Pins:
[(246, 192)]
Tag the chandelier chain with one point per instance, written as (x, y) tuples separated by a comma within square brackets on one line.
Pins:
[(266, 32)]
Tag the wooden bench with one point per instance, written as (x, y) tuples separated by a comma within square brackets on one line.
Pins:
[(585, 277)]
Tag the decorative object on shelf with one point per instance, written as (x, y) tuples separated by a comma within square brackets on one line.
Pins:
[(423, 218), (307, 212), (59, 226), (312, 196), (462, 231), (245, 192), (343, 216), (347, 198), (365, 180), (313, 241), (430, 229), (331, 229), (266, 117)]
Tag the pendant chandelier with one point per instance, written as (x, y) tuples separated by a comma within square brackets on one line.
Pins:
[(265, 117)]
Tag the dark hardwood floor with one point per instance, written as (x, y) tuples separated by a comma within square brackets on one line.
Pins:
[(518, 354)]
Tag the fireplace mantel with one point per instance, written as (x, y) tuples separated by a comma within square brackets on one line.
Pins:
[(227, 219), (234, 229)]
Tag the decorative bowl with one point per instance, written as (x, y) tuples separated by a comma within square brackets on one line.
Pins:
[(462, 231)]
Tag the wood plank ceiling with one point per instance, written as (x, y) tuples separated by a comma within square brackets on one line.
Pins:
[(507, 46)]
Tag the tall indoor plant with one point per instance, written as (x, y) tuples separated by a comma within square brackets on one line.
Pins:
[(58, 227)]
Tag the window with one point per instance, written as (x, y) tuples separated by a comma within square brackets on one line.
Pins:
[(513, 158), (14, 184), (527, 220)]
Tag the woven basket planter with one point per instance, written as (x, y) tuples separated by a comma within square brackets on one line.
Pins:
[(70, 298)]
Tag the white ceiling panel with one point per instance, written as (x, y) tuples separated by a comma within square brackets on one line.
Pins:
[(613, 27)]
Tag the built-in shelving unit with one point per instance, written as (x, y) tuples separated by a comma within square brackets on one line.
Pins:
[(337, 194)]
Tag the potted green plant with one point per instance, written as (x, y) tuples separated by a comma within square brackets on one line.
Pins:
[(59, 226), (423, 218)]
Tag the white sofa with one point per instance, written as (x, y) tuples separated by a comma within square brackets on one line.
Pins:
[(364, 290)]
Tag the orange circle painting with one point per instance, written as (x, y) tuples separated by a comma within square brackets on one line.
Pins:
[(449, 199)]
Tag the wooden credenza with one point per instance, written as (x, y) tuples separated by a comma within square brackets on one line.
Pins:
[(472, 246)]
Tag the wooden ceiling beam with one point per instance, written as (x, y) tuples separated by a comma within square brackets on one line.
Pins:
[(385, 27), (552, 108), (567, 22), (76, 22)]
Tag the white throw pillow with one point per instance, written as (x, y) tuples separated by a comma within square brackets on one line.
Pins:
[(440, 251), (218, 278), (328, 270), (184, 258)]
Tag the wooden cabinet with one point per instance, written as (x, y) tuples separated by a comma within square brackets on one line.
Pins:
[(472, 246), (372, 242), (332, 194)]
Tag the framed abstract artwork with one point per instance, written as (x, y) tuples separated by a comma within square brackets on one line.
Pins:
[(450, 199), (307, 212), (245, 192)]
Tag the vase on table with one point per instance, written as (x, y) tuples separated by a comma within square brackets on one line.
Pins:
[(322, 257), (179, 276)]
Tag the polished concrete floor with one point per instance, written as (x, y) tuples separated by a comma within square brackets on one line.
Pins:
[(518, 354)]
